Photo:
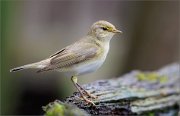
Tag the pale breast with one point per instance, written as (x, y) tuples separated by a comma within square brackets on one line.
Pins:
[(87, 68)]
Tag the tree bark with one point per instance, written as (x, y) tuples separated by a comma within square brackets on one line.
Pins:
[(135, 93)]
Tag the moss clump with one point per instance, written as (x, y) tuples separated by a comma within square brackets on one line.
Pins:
[(152, 77), (58, 108), (54, 109), (151, 114)]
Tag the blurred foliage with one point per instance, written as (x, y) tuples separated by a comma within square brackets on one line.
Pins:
[(7, 102)]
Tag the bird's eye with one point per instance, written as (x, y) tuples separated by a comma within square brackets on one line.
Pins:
[(104, 28)]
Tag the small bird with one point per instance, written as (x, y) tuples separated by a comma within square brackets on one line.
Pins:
[(81, 57)]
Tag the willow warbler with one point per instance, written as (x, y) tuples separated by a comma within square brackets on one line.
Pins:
[(81, 57)]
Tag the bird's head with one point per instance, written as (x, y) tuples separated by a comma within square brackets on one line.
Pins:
[(103, 30)]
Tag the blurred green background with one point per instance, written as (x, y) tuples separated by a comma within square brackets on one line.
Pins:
[(33, 30)]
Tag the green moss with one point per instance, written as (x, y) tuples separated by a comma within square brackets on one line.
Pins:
[(163, 79), (55, 109), (151, 114), (152, 77), (141, 76), (58, 108)]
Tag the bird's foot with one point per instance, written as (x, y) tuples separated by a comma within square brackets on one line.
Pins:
[(90, 95), (87, 93), (87, 101)]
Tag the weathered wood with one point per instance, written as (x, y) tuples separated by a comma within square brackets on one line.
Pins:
[(135, 93)]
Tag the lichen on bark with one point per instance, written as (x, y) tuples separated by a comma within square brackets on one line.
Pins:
[(135, 93)]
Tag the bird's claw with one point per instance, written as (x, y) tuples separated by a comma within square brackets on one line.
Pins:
[(87, 100), (92, 96)]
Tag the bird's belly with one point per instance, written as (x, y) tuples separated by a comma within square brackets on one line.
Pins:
[(86, 67)]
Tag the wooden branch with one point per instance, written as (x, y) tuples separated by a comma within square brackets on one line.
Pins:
[(135, 93)]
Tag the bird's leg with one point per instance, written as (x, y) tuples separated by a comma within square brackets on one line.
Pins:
[(74, 80), (86, 92)]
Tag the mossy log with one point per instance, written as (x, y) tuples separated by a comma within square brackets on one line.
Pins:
[(135, 93)]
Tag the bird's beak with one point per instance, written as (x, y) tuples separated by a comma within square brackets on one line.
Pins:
[(117, 31)]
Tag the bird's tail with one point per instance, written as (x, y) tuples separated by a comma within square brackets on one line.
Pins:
[(37, 65)]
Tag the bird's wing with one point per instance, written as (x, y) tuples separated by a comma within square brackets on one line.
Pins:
[(71, 55), (58, 52)]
